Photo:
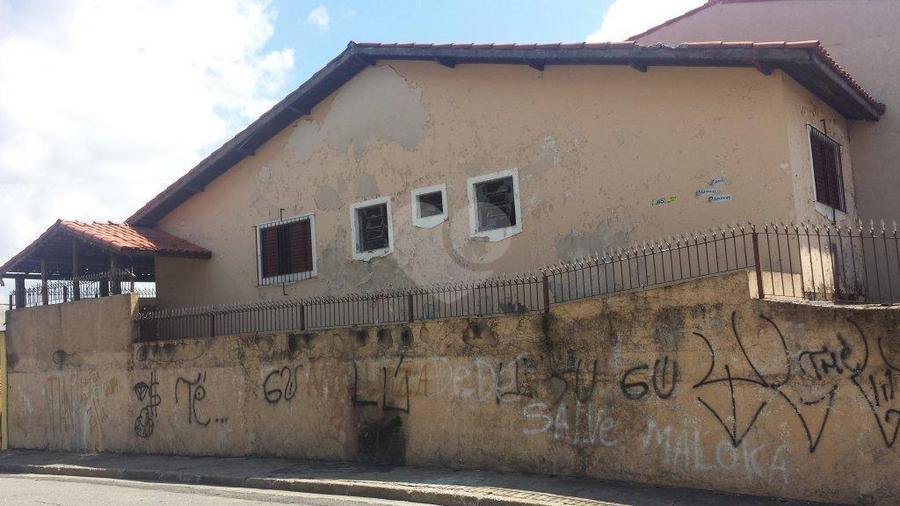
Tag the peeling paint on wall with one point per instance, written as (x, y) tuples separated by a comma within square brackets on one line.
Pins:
[(377, 106)]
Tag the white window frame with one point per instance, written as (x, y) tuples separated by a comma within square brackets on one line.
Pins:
[(295, 277), (821, 207), (429, 221), (354, 229), (497, 234)]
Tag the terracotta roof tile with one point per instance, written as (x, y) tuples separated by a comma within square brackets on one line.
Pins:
[(126, 238), (120, 238)]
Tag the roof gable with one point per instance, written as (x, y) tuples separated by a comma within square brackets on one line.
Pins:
[(806, 62)]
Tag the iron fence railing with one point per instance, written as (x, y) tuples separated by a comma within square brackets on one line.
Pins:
[(520, 294), (653, 264), (842, 264), (60, 291), (839, 264)]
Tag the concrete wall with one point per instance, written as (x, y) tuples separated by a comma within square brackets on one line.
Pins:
[(695, 384), (4, 433), (861, 35), (594, 146)]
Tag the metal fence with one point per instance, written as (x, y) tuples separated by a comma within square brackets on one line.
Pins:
[(86, 287), (859, 264), (520, 294), (653, 264)]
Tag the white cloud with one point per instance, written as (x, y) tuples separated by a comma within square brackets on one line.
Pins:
[(104, 103), (625, 18), (319, 17)]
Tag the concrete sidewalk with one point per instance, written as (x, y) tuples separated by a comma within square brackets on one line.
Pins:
[(435, 486)]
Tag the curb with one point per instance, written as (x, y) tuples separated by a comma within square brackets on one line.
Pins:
[(433, 494)]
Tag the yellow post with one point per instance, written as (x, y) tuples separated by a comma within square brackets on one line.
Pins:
[(4, 431)]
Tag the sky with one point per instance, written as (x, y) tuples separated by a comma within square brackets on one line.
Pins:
[(104, 103)]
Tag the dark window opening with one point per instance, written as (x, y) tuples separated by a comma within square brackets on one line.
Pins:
[(286, 248), (496, 204), (827, 172), (372, 228), (431, 204)]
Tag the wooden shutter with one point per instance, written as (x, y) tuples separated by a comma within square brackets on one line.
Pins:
[(268, 246), (827, 170), (299, 246)]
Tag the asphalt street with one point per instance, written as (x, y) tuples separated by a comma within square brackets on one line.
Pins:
[(43, 490)]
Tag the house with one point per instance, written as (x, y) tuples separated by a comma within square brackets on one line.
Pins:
[(862, 35), (408, 164), (401, 165)]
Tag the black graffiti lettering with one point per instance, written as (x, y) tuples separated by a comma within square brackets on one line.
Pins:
[(144, 423), (831, 363), (822, 361), (634, 390), (385, 406), (196, 393), (879, 394), (661, 377), (281, 384), (518, 389), (733, 434)]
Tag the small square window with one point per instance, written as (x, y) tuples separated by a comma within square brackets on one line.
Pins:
[(494, 208), (429, 206), (371, 229)]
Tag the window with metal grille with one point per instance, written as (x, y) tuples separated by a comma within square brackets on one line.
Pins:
[(827, 172), (286, 250), (371, 228), (431, 204), (496, 203)]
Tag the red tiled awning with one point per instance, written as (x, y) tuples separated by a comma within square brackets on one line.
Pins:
[(98, 238), (124, 239)]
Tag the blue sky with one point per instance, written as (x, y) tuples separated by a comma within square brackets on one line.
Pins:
[(427, 21), (106, 102)]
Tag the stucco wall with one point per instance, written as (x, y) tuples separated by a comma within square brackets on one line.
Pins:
[(594, 146), (696, 385), (861, 35)]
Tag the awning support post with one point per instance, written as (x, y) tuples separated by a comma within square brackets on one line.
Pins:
[(114, 277), (76, 269), (45, 296), (20, 292)]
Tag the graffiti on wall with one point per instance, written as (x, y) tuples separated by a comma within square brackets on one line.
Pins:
[(393, 397), (807, 380), (707, 399), (146, 393), (281, 384), (196, 394)]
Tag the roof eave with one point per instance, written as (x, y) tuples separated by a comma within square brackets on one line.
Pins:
[(295, 105), (788, 59), (357, 56)]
